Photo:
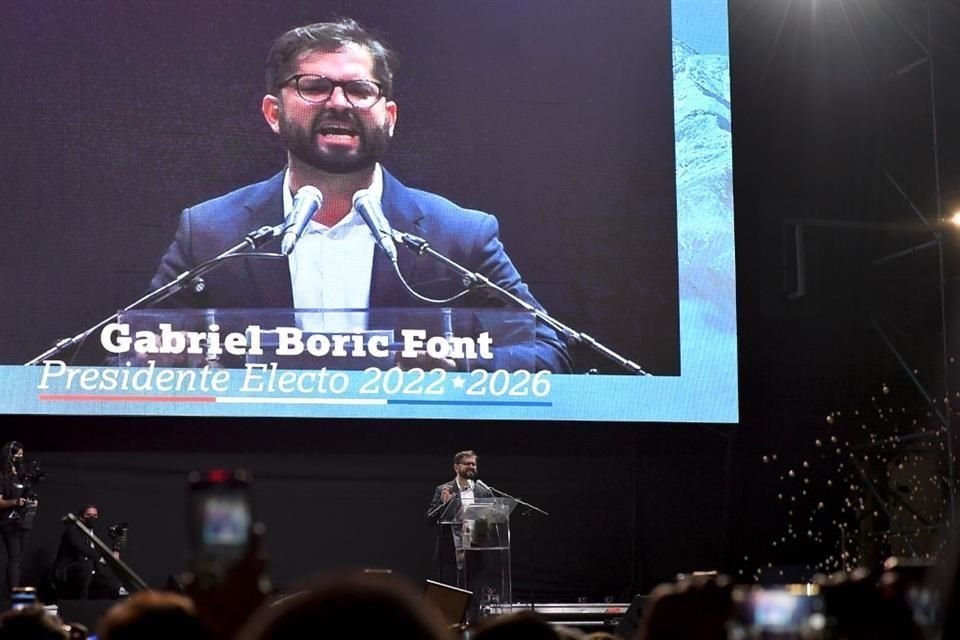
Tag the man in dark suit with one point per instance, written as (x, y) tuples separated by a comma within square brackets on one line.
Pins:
[(329, 99), (454, 563), (79, 569)]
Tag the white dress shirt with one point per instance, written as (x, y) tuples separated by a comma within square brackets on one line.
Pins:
[(331, 267)]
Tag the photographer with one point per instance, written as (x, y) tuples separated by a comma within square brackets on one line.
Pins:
[(79, 571), (18, 506)]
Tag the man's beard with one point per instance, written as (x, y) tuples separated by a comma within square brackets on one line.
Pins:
[(302, 144)]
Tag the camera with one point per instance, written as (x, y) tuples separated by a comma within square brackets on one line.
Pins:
[(30, 477), (118, 535)]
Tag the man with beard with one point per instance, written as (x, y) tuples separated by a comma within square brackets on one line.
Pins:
[(330, 101), (453, 563), (79, 570)]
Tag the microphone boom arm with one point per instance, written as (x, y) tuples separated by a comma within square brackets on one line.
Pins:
[(504, 494), (474, 280), (252, 241)]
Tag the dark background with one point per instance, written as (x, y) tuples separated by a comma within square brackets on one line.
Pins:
[(830, 112), (122, 114)]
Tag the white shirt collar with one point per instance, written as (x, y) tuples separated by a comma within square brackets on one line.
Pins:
[(376, 190)]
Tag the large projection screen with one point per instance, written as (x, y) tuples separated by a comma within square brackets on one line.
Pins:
[(598, 133)]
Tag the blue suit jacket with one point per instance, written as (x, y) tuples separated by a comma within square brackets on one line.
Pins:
[(465, 236)]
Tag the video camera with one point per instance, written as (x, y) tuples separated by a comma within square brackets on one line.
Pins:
[(31, 476), (118, 535)]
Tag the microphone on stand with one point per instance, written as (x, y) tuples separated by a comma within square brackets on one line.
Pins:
[(306, 202), (485, 486), (372, 213), (446, 320)]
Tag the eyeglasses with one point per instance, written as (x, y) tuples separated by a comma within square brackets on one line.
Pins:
[(362, 94)]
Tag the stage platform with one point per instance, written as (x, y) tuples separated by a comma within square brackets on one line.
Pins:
[(589, 616)]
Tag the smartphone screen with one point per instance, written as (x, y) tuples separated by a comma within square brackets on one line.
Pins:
[(913, 582), (225, 524), (221, 519), (771, 613), (780, 609), (22, 597)]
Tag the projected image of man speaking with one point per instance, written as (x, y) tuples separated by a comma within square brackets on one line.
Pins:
[(330, 100)]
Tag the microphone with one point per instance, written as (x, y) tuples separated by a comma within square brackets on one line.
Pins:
[(306, 202), (369, 209), (446, 320)]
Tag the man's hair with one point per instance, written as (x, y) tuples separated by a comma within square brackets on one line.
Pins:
[(357, 606), (88, 506), (153, 615), (31, 622), (526, 624), (328, 37), (458, 458)]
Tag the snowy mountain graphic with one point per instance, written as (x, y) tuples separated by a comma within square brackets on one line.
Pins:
[(704, 188)]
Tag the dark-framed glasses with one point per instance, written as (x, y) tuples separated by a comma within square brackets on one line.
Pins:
[(362, 94)]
